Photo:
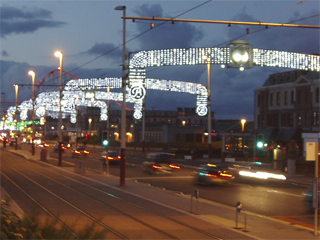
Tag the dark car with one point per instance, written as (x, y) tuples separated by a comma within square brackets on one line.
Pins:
[(111, 157), (213, 174), (13, 141), (160, 163), (79, 151)]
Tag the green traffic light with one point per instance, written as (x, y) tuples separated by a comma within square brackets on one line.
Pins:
[(259, 144), (105, 142)]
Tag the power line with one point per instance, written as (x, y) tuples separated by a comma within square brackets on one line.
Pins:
[(136, 37)]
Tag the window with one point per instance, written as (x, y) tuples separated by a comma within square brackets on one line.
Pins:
[(290, 120), (292, 97), (271, 99), (275, 120), (283, 120), (315, 118), (278, 98), (299, 96), (286, 98), (317, 95)]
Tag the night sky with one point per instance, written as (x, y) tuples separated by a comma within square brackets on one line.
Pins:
[(89, 33)]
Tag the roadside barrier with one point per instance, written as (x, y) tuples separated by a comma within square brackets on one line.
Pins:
[(240, 208), (82, 164), (196, 195)]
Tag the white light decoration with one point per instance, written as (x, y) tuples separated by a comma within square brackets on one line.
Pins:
[(238, 54)]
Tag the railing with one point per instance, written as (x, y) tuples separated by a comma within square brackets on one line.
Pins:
[(82, 164)]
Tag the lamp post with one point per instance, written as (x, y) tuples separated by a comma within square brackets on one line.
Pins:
[(243, 121), (90, 121), (123, 108), (77, 97), (143, 128), (209, 105), (60, 56), (16, 86), (4, 101), (33, 75)]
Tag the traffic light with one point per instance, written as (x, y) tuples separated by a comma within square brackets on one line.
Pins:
[(105, 141), (86, 136), (259, 144), (260, 141)]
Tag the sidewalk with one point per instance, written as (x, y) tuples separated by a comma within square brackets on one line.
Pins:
[(257, 226)]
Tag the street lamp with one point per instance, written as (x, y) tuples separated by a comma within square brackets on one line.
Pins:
[(209, 105), (4, 101), (16, 86), (243, 121), (77, 97), (33, 75), (123, 108), (90, 121), (60, 56)]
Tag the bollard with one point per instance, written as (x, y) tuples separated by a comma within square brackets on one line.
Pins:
[(196, 195), (240, 208)]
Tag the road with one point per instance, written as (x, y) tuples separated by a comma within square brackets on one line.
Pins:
[(268, 198), (280, 199), (76, 202)]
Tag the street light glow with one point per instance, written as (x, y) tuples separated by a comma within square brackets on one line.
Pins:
[(31, 73), (58, 54)]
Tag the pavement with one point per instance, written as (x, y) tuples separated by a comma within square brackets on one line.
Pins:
[(249, 224)]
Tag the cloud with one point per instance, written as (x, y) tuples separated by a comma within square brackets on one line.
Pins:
[(14, 20), (293, 39), (168, 35), (4, 53), (109, 50)]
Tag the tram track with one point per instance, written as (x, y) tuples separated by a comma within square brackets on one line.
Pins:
[(109, 203)]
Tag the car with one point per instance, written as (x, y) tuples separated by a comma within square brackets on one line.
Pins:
[(213, 174), (56, 148), (111, 157), (66, 145), (43, 145), (160, 163), (13, 141), (79, 151)]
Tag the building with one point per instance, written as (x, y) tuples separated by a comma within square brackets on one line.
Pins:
[(286, 106)]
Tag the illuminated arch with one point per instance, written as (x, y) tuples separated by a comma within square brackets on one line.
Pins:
[(85, 92), (222, 56)]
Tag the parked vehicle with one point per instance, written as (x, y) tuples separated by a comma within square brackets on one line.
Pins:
[(113, 157), (79, 151), (213, 174), (160, 163)]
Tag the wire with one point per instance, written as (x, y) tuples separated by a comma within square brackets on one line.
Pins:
[(214, 4), (136, 37), (264, 29), (277, 13)]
